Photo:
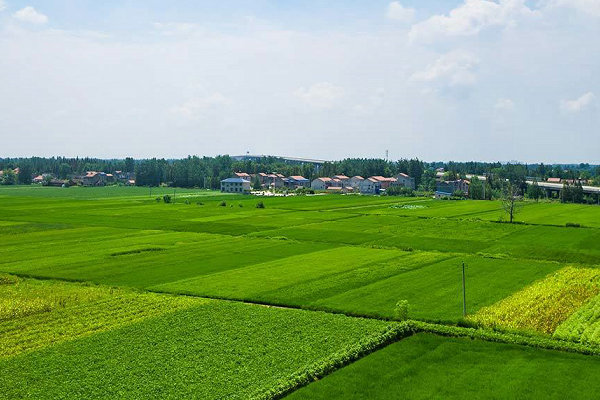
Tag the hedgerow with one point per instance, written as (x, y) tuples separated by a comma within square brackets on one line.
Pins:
[(536, 341)]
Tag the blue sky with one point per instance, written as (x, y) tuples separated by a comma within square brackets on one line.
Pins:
[(439, 80)]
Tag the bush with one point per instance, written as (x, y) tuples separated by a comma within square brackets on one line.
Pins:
[(158, 199), (223, 203), (572, 225), (260, 204), (401, 310), (399, 191), (167, 198), (240, 205)]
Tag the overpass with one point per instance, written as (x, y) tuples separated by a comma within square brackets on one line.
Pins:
[(557, 187)]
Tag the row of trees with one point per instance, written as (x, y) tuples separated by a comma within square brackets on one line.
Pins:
[(63, 167), (207, 172)]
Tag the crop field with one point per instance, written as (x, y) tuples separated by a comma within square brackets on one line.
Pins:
[(209, 296), (425, 366), (544, 305)]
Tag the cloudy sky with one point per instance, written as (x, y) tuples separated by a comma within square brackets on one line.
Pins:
[(439, 79)]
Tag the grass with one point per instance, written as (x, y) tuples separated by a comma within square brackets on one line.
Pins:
[(365, 281), (544, 305), (213, 350), (434, 291), (425, 366)]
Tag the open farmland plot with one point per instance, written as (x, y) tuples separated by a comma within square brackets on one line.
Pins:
[(201, 349), (544, 305), (583, 325), (37, 314), (136, 258), (425, 366), (366, 281)]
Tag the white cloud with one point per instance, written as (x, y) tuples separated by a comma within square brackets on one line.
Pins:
[(371, 103), (2, 5), (200, 106), (29, 14), (504, 104), (579, 104), (175, 28), (589, 7), (453, 69), (469, 19), (398, 12), (320, 95)]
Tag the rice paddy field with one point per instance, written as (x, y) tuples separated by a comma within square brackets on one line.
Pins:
[(111, 293)]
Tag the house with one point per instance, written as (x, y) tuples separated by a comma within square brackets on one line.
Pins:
[(242, 175), (370, 186), (355, 181), (385, 182), (122, 176), (554, 180), (342, 178), (130, 182), (447, 188), (335, 189), (235, 185), (321, 183), (298, 181), (277, 180), (38, 179), (405, 181), (263, 178), (93, 178)]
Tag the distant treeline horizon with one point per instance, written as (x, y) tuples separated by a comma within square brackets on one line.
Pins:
[(207, 172)]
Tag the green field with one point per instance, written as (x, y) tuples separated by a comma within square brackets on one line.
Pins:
[(160, 274), (427, 366)]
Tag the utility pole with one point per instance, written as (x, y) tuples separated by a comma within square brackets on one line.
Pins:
[(464, 292)]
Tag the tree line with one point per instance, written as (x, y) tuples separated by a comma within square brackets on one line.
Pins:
[(207, 172)]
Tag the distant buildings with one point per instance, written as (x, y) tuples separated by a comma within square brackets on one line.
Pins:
[(321, 183), (370, 186), (235, 185), (336, 183), (405, 181), (448, 188), (355, 181), (296, 181)]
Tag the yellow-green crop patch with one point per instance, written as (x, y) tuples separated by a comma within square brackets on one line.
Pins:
[(544, 305), (36, 314), (583, 325)]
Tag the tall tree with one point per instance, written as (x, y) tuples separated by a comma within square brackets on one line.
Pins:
[(511, 200)]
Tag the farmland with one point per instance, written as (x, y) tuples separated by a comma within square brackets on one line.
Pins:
[(211, 284)]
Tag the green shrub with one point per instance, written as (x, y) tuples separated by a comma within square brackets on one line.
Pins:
[(260, 204), (572, 225), (223, 203), (167, 198), (401, 310)]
